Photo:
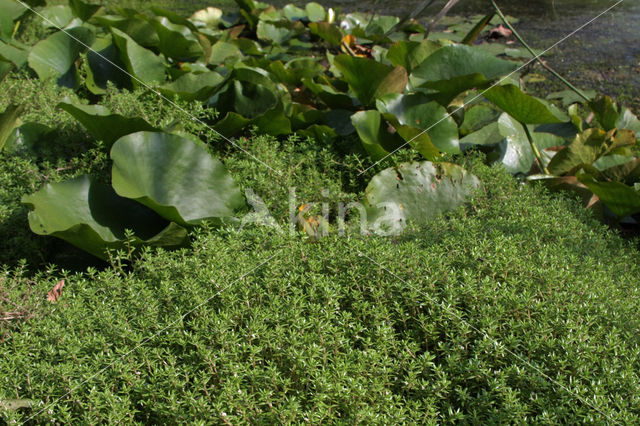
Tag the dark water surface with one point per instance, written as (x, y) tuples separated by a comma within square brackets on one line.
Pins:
[(604, 56)]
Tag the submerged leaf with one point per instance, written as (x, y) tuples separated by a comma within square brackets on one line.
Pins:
[(175, 177)]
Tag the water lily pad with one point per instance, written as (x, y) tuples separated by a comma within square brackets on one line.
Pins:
[(326, 31), (103, 65), (175, 177), (524, 108), (315, 12), (83, 10), (410, 54), (449, 67), (176, 41), (91, 216), (140, 62), (55, 56), (137, 27), (417, 192), (56, 16), (193, 86), (370, 79), (374, 134), (415, 110), (104, 125), (14, 52)]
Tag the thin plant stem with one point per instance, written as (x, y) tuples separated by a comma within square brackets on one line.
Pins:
[(536, 152), (538, 58)]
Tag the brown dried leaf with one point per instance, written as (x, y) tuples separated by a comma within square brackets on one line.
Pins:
[(55, 292)]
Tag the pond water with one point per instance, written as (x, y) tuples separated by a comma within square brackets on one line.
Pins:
[(605, 56)]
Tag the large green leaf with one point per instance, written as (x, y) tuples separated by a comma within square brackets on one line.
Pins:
[(606, 111), (417, 111), (29, 138), (55, 56), (192, 86), (514, 151), (137, 27), (416, 192), (175, 177), (91, 216), (628, 120), (104, 125), (103, 65), (56, 16), (410, 54), (374, 134), (14, 52), (587, 147), (449, 67), (621, 199), (84, 10), (524, 108), (370, 79), (140, 62), (326, 31), (315, 12), (12, 9), (9, 120), (176, 41)]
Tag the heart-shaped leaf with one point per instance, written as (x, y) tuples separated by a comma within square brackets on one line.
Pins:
[(104, 125), (192, 86), (374, 134), (55, 56), (370, 79), (410, 54), (416, 192), (104, 65), (415, 110), (315, 12), (524, 108), (176, 41), (84, 10), (142, 63), (91, 216), (175, 177), (456, 68)]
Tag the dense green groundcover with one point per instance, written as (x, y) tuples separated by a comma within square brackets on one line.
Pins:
[(249, 326), (519, 307)]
